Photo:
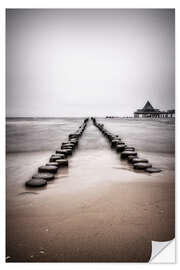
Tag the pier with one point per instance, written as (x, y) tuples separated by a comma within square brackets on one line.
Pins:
[(148, 111)]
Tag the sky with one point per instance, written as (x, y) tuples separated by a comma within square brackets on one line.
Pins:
[(83, 62)]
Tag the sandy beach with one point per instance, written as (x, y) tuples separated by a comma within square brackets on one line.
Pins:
[(97, 210)]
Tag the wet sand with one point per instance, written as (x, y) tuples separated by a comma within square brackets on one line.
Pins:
[(97, 210)]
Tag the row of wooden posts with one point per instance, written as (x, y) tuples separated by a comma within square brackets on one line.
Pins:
[(58, 160), (126, 152)]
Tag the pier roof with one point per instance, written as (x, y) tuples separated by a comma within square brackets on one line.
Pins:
[(148, 107)]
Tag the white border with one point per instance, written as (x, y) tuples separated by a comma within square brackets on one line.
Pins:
[(2, 135), (75, 4), (90, 4)]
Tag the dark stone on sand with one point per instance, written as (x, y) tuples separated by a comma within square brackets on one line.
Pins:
[(68, 144), (69, 151), (75, 141), (64, 147), (46, 176), (138, 160), (73, 145), (59, 156), (55, 157), (142, 166), (52, 164), (50, 169), (129, 148), (62, 151), (62, 162), (153, 170), (120, 147), (125, 154), (73, 136), (114, 142), (36, 182), (130, 158)]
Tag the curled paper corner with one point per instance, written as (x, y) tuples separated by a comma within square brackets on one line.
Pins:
[(163, 252)]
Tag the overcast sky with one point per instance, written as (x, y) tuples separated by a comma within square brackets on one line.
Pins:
[(89, 62)]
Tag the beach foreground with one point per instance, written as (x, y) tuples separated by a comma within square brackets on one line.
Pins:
[(97, 210)]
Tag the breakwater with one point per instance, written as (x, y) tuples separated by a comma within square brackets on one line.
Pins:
[(126, 152), (59, 159)]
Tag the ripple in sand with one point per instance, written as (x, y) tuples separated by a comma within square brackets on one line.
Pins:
[(30, 192)]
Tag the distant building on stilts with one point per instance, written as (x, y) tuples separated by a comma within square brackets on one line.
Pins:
[(149, 111)]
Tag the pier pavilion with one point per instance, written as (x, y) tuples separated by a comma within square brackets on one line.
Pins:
[(149, 111)]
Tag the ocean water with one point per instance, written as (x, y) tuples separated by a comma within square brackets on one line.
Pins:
[(28, 134), (149, 135), (38, 134)]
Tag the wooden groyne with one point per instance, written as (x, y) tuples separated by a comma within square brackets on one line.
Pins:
[(58, 160), (126, 152)]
